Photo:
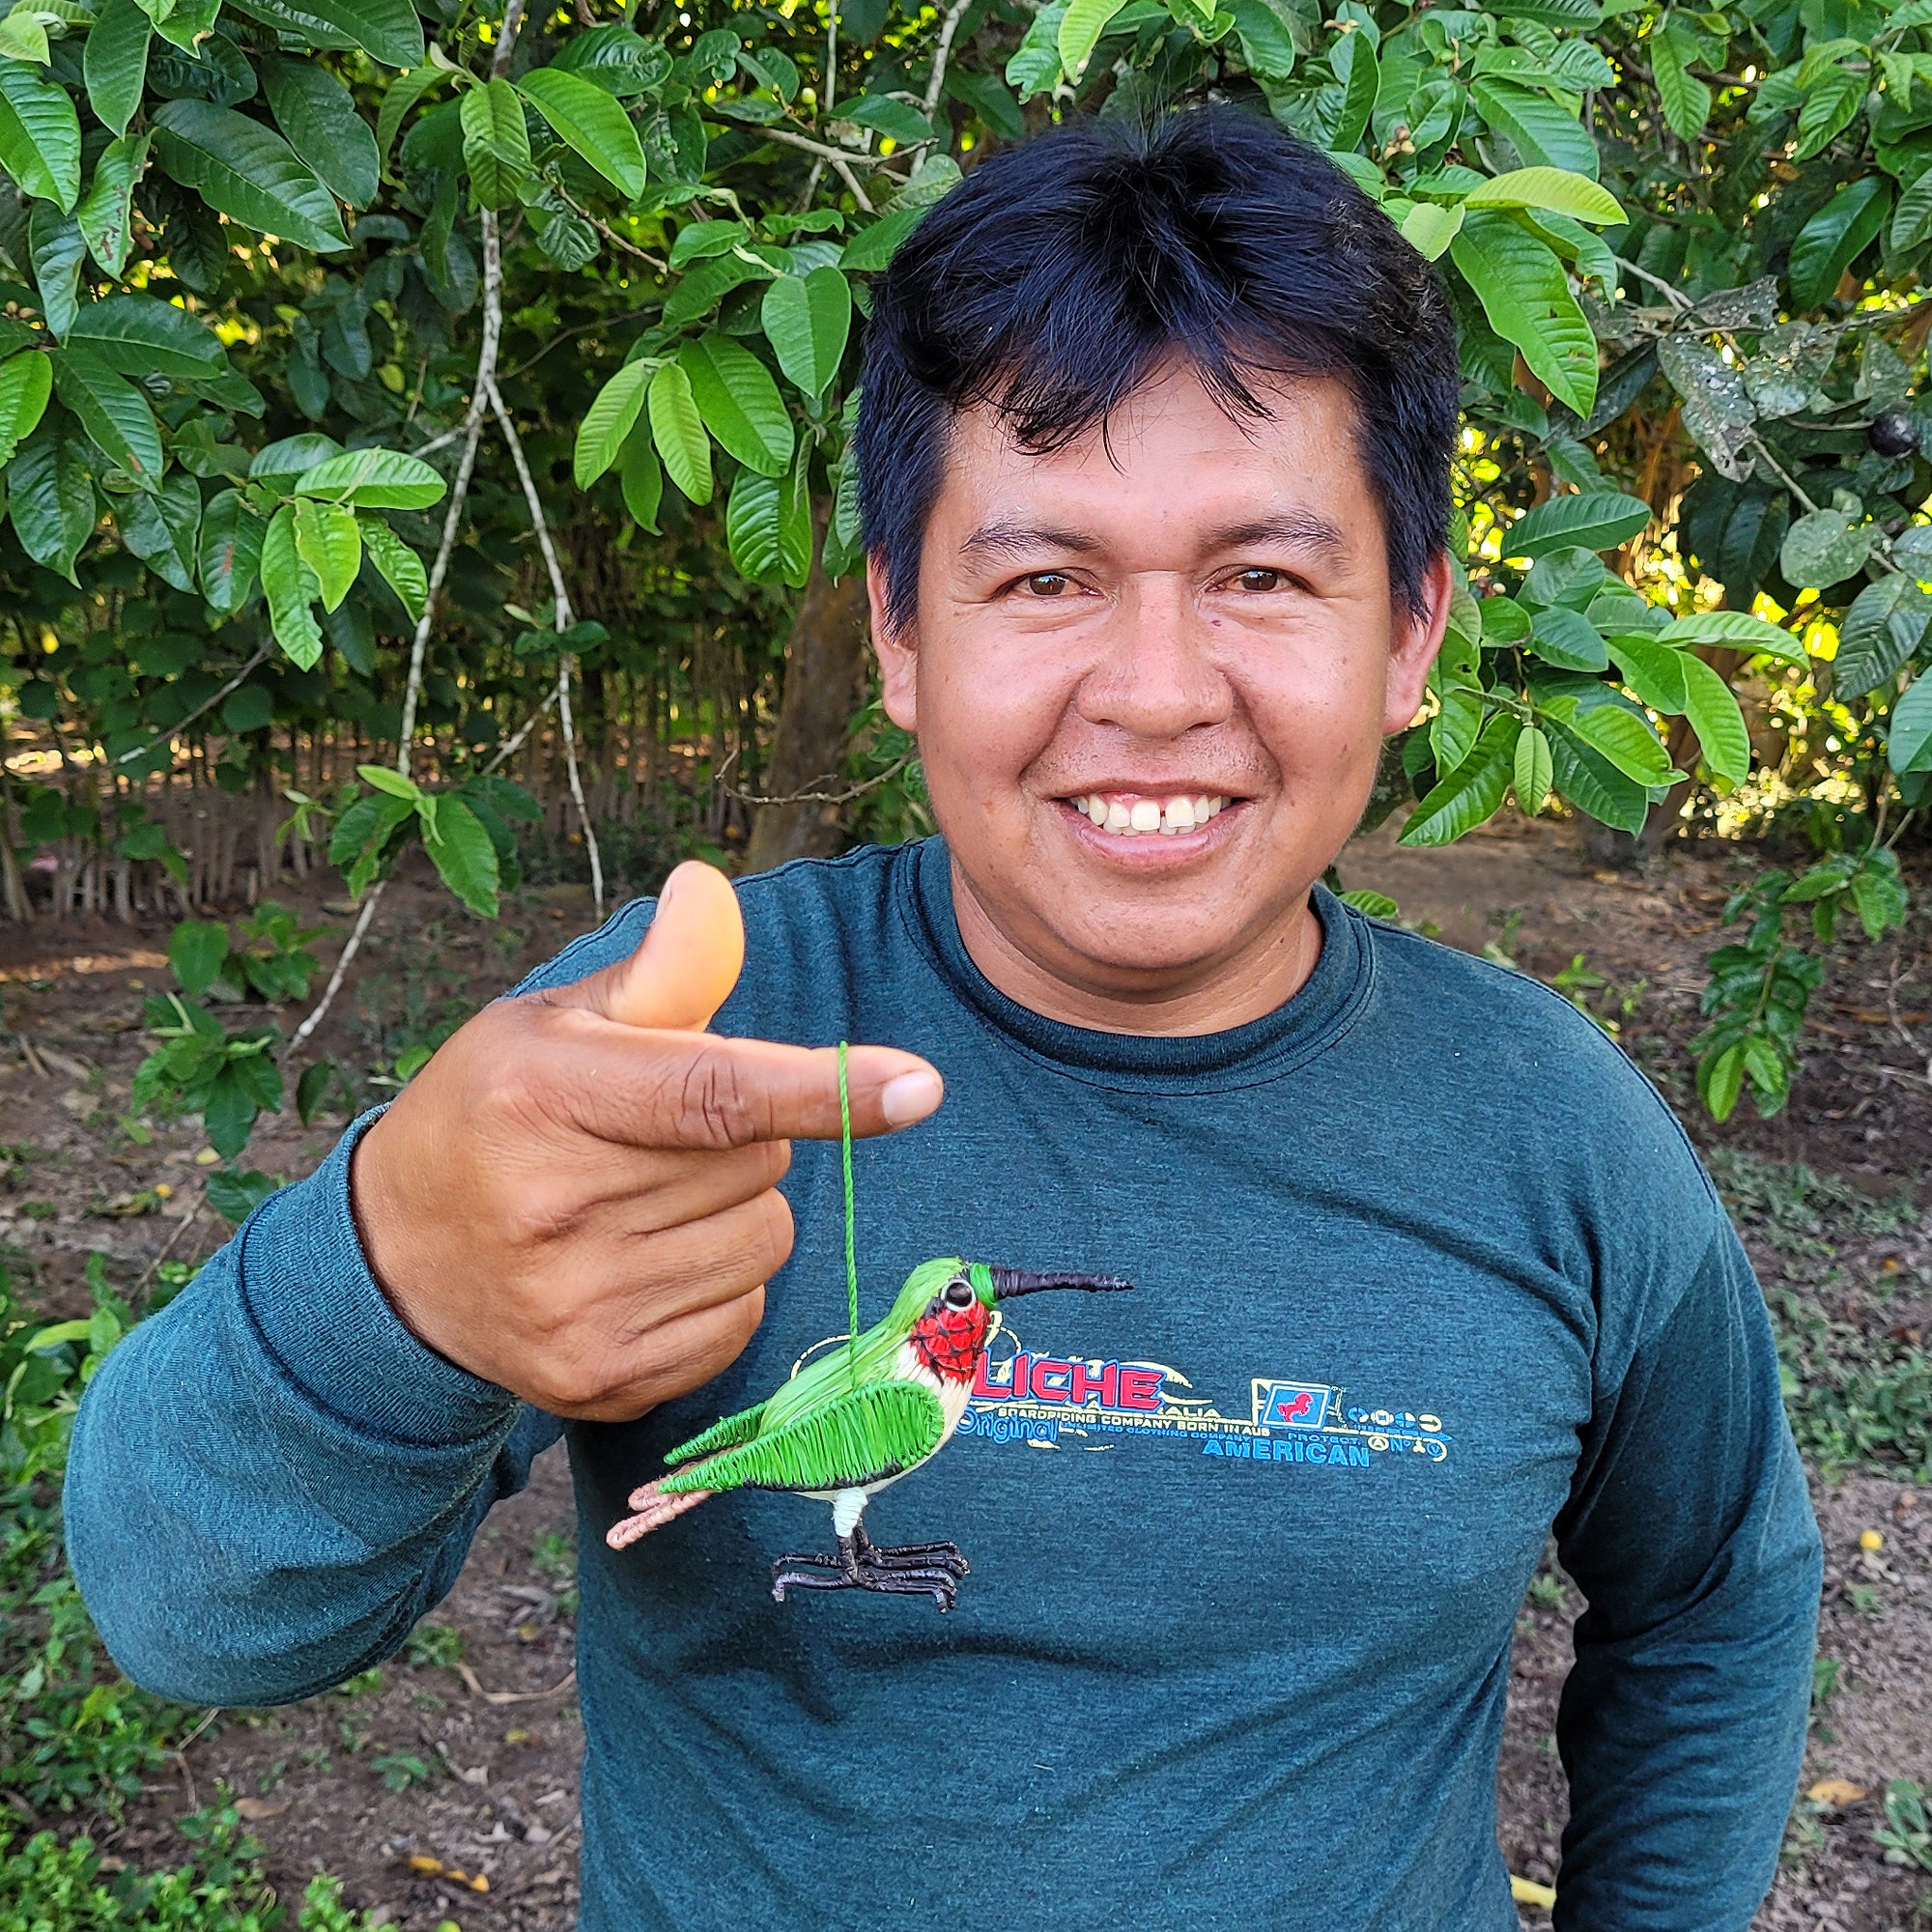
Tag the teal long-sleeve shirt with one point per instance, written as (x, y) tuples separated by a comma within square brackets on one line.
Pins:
[(1423, 1270)]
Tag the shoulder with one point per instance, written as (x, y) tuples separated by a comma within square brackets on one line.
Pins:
[(795, 912)]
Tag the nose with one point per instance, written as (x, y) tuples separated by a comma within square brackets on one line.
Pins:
[(1155, 677)]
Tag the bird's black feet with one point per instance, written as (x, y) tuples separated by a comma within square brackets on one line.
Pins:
[(912, 1569)]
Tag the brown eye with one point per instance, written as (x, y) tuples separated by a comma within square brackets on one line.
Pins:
[(1259, 582), (1047, 583)]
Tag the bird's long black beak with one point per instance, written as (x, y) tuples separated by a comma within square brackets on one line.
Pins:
[(1011, 1281)]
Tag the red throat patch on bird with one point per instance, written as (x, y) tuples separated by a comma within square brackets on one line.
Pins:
[(951, 1340)]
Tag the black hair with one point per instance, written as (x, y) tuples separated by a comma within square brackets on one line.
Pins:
[(1060, 276)]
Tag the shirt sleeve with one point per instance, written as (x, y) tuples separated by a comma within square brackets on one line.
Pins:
[(1690, 1534), (271, 1479)]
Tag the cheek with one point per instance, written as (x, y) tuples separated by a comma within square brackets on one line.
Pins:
[(991, 705), (1317, 700)]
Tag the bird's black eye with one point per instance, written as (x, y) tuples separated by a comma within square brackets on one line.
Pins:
[(958, 1295)]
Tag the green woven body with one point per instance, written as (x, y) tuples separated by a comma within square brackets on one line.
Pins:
[(854, 1439)]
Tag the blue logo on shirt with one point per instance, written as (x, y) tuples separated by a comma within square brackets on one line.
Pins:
[(1290, 1404)]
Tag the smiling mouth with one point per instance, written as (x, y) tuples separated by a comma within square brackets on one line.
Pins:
[(1132, 814)]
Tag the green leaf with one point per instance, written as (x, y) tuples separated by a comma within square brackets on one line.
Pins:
[(197, 951), (387, 30), (318, 115), (1912, 220), (643, 478), (806, 320), (678, 431), (1720, 1079), (1879, 633), (871, 248), (114, 414), (23, 38), (1589, 782), (1429, 228), (1627, 741), (1715, 717), (55, 249), (1830, 107), (393, 782), (141, 335), (1371, 904), (1556, 189), (1527, 296), (768, 527), (1568, 639), (328, 542), (464, 855), (397, 564), (39, 135), (1823, 547), (247, 173), (1472, 793), (230, 551), (1653, 671), (290, 586), (106, 214), (162, 530), (1359, 97), (1267, 45), (1542, 133), (592, 123), (26, 381), (894, 119), (374, 479), (607, 421), (1531, 772), (1687, 100), (186, 23), (1599, 521), (739, 402), (1828, 243), (1907, 741), (50, 495), (1737, 629), (404, 92), (1080, 29), (115, 62), (495, 142)]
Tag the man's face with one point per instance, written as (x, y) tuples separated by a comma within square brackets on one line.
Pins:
[(1150, 675)]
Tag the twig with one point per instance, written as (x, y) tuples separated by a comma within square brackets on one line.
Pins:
[(561, 619), (351, 946), (1678, 299), (841, 158), (858, 790), (940, 54), (1790, 482), (831, 53), (181, 1226), (181, 724), (469, 1676), (505, 753), (610, 233)]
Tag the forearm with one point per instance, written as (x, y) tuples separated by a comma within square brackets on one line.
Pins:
[(1682, 1725), (271, 1480)]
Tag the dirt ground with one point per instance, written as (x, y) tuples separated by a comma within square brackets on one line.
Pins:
[(457, 1763)]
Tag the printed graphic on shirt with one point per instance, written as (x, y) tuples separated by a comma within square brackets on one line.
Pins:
[(1057, 1402)]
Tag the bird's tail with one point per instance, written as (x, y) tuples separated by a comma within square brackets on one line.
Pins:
[(654, 1509)]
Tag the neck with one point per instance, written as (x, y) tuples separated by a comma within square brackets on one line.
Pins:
[(1209, 996)]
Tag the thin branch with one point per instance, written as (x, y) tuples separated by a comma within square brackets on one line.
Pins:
[(350, 946), (562, 619), (831, 53), (1678, 299), (841, 158), (1790, 482), (611, 235), (851, 180), (181, 724), (506, 752), (941, 54), (182, 1224), (858, 790)]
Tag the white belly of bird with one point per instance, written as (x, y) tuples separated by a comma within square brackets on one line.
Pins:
[(954, 1396)]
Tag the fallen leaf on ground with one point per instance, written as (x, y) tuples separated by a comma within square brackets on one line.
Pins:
[(255, 1809), (1837, 1791), (1526, 1892)]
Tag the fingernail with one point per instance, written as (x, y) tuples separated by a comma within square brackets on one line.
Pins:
[(911, 1096)]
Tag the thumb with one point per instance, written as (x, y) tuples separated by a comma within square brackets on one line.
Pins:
[(687, 964)]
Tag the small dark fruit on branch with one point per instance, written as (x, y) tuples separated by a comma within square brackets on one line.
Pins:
[(1893, 434)]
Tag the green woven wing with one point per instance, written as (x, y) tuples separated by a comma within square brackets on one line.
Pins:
[(722, 1435), (853, 1439)]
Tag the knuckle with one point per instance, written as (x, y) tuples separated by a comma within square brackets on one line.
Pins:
[(713, 1107), (540, 1211)]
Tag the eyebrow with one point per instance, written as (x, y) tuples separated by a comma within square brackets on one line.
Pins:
[(1300, 529)]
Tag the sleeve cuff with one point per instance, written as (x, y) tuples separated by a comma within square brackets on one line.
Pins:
[(320, 1312)]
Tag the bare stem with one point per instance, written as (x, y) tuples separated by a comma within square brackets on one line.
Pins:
[(181, 724), (561, 620), (943, 53), (350, 946)]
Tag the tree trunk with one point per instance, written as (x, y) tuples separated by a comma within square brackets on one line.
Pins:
[(824, 682)]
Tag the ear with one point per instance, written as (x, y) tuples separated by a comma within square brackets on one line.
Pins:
[(898, 654), (1415, 640)]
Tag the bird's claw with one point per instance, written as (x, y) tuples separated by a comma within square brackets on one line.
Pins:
[(912, 1569)]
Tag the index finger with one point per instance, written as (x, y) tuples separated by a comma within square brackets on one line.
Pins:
[(647, 1088)]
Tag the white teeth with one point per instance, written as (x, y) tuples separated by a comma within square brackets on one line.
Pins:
[(1149, 815)]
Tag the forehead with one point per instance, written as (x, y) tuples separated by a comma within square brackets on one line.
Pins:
[(1172, 455)]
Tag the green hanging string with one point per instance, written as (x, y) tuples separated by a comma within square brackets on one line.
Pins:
[(851, 1239)]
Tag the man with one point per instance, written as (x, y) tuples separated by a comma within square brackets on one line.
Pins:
[(1155, 444)]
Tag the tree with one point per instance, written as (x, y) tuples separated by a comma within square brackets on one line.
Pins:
[(319, 302)]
